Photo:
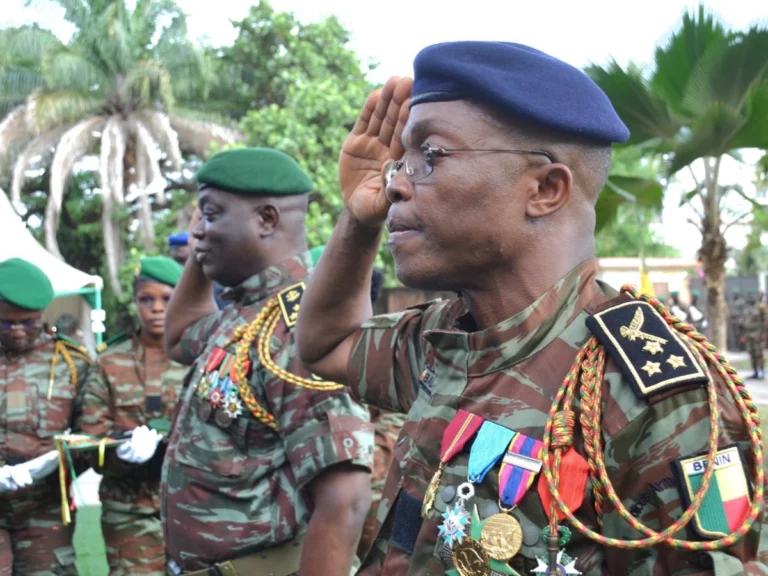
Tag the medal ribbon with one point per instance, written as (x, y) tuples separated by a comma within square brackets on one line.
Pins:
[(490, 445), (515, 481), (214, 360)]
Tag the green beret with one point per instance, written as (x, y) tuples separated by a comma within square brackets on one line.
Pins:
[(160, 269), (256, 172), (662, 298), (674, 293), (696, 293), (23, 284), (316, 252)]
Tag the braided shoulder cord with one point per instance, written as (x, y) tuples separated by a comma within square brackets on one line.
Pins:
[(60, 349), (588, 370), (261, 330)]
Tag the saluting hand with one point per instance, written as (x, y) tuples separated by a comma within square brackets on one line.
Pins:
[(373, 143)]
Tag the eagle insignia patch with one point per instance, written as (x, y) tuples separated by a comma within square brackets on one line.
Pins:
[(728, 499), (650, 354), (289, 300)]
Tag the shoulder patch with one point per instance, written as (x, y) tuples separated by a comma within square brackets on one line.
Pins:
[(289, 300), (651, 355), (728, 499)]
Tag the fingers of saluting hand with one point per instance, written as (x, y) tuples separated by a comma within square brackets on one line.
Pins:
[(396, 115), (382, 105)]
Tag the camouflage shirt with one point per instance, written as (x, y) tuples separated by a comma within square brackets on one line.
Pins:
[(229, 492), (755, 321), (131, 386), (427, 362), (28, 419)]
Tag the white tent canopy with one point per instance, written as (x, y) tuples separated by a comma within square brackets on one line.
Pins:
[(16, 241)]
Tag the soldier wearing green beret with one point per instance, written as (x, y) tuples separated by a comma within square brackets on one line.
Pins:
[(267, 469), (42, 378), (136, 389)]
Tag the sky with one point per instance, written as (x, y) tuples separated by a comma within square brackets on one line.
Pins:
[(391, 33)]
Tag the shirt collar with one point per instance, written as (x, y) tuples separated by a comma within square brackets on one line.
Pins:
[(265, 284), (524, 334)]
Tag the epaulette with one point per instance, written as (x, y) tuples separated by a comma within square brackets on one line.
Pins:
[(650, 354), (79, 350), (114, 340), (290, 300)]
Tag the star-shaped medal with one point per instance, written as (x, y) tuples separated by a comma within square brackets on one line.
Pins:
[(676, 361), (565, 565), (653, 347), (454, 525), (652, 368)]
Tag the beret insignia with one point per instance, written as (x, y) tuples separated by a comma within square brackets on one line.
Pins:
[(289, 300), (649, 353)]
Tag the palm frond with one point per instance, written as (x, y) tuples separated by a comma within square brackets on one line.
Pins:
[(12, 128), (66, 69), (51, 109), (644, 112), (38, 151), (196, 136), (28, 46), (16, 84), (74, 144), (159, 126), (754, 134), (149, 82), (646, 193)]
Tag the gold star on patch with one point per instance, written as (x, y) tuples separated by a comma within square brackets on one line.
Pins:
[(653, 347), (676, 361), (652, 368)]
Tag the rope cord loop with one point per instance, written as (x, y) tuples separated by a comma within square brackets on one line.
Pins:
[(587, 371)]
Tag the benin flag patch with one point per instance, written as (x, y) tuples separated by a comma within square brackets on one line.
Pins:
[(727, 501)]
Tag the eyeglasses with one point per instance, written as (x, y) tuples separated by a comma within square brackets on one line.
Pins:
[(8, 325), (420, 163)]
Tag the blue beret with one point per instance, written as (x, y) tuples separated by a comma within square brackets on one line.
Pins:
[(178, 239), (521, 82)]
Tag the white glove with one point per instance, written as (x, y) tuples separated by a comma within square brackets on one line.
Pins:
[(141, 447), (41, 466), (12, 478)]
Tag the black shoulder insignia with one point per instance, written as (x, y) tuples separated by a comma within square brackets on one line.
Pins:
[(651, 355), (289, 300)]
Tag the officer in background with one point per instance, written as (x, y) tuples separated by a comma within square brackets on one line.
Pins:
[(42, 379), (538, 393), (754, 329), (267, 470), (136, 389), (697, 317)]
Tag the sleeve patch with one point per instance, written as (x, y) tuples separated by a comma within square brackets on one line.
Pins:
[(649, 353), (289, 300)]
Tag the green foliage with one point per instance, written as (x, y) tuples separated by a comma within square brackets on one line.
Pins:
[(630, 234)]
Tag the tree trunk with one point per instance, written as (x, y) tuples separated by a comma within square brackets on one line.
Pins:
[(713, 254)]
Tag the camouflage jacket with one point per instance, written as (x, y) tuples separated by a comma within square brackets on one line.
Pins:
[(755, 321), (386, 426), (131, 386), (229, 492), (28, 419), (421, 362)]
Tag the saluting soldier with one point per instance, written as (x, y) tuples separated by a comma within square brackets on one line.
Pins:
[(136, 389), (267, 470), (538, 393), (42, 378)]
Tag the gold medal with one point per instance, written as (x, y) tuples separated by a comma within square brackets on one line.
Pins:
[(223, 419), (470, 558), (502, 537), (204, 410)]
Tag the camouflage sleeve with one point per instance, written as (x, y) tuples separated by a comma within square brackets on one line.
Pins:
[(96, 415), (386, 359), (319, 429), (643, 439), (195, 337)]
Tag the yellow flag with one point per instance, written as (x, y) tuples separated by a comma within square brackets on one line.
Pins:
[(645, 281)]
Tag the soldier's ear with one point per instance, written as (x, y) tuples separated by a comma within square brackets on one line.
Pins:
[(268, 218)]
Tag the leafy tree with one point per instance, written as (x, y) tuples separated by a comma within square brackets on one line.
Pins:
[(121, 86), (705, 97), (630, 233)]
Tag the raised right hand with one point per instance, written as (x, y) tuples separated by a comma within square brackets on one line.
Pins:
[(372, 144)]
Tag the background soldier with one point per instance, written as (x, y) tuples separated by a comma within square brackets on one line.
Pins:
[(41, 383), (499, 157), (136, 387), (267, 470), (754, 330)]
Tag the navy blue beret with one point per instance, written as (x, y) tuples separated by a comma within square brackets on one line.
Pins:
[(521, 82), (179, 239)]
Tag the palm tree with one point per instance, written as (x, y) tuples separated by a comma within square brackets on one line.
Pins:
[(118, 88), (705, 97)]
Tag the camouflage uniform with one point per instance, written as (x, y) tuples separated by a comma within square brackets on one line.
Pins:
[(133, 386), (386, 426), (33, 540), (754, 329), (422, 362), (231, 492)]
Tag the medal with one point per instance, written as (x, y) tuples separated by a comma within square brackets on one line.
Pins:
[(204, 410), (456, 519), (222, 418), (470, 558), (501, 536), (571, 483), (461, 429), (565, 565)]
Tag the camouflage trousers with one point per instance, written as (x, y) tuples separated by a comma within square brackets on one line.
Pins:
[(756, 355), (134, 543), (33, 540)]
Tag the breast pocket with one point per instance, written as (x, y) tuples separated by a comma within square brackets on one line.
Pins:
[(54, 403), (129, 407)]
